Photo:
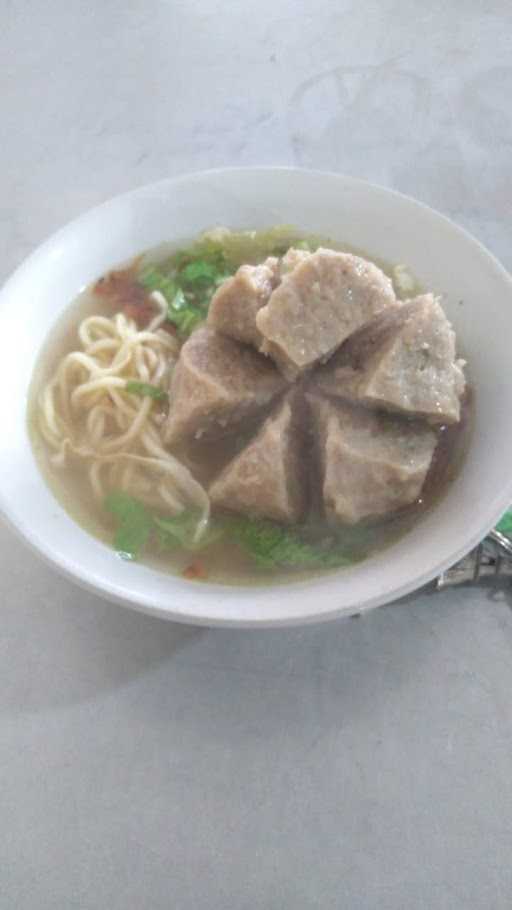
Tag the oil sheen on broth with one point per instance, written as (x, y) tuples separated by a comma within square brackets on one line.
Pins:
[(210, 440)]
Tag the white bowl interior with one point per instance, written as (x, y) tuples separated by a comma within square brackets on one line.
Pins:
[(477, 295)]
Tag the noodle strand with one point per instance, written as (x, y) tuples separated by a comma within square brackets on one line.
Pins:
[(86, 413)]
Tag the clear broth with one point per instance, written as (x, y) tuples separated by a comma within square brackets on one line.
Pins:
[(224, 562)]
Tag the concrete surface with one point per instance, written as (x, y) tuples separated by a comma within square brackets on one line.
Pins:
[(365, 764)]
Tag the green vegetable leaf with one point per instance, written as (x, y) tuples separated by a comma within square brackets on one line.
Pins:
[(145, 388), (176, 303), (134, 524), (185, 315), (207, 257), (271, 546), (199, 271), (186, 321), (505, 525), (188, 280), (155, 280)]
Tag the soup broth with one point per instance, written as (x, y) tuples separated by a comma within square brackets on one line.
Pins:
[(101, 430)]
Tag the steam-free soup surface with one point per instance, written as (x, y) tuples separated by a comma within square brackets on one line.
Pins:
[(250, 407)]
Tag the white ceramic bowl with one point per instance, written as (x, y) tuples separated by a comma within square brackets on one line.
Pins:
[(477, 295)]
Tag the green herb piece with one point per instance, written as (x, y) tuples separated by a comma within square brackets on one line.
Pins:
[(206, 256), (155, 280), (187, 321), (183, 314), (271, 546), (189, 278), (134, 524), (199, 271), (505, 524), (145, 388), (255, 246), (239, 247), (177, 303)]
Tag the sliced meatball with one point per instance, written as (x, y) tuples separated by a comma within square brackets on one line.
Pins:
[(236, 302), (217, 383), (371, 465), (404, 362), (265, 480), (326, 297), (273, 264), (291, 259)]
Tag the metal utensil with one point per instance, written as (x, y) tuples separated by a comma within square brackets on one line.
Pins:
[(490, 560)]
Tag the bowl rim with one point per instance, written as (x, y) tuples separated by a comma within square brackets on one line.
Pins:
[(83, 577)]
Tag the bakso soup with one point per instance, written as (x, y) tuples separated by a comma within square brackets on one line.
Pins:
[(254, 407)]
